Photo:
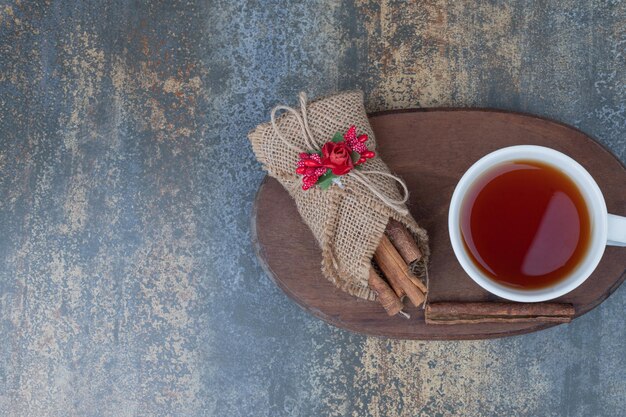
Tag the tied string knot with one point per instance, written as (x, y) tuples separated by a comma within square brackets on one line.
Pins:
[(365, 178)]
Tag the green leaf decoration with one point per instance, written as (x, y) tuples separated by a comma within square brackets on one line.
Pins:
[(337, 138), (325, 180), (355, 157)]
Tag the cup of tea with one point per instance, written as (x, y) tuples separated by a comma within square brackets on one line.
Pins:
[(529, 223)]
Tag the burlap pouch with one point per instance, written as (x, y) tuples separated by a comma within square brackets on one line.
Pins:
[(348, 222)]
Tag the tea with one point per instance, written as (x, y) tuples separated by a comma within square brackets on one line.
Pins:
[(525, 224)]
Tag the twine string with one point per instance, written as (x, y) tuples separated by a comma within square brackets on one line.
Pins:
[(363, 177), (397, 205), (299, 119), (305, 119)]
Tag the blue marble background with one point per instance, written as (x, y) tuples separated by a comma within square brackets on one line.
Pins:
[(128, 284)]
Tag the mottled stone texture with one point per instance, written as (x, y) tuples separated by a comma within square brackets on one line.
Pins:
[(128, 285)]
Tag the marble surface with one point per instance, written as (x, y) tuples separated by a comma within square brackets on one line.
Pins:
[(128, 284)]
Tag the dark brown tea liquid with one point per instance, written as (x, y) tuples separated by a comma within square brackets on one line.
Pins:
[(525, 224)]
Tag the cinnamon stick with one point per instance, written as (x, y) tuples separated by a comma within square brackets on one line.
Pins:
[(418, 283), (465, 313), (395, 286), (406, 246), (396, 270), (403, 241), (386, 296)]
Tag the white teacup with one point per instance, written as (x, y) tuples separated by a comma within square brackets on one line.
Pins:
[(606, 229)]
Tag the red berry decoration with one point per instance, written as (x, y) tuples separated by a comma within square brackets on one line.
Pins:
[(357, 144), (334, 160)]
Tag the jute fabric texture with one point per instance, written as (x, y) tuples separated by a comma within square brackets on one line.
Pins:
[(347, 222)]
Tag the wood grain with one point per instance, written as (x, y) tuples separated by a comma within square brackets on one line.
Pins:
[(431, 149)]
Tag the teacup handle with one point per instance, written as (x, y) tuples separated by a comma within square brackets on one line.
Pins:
[(617, 230)]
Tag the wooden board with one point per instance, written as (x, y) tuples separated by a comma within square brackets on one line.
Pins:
[(431, 149)]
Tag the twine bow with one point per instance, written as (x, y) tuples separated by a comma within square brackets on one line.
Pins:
[(363, 177)]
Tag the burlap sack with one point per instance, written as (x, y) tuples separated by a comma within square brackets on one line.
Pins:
[(348, 223)]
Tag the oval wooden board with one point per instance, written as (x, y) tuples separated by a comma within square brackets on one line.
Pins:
[(431, 149)]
